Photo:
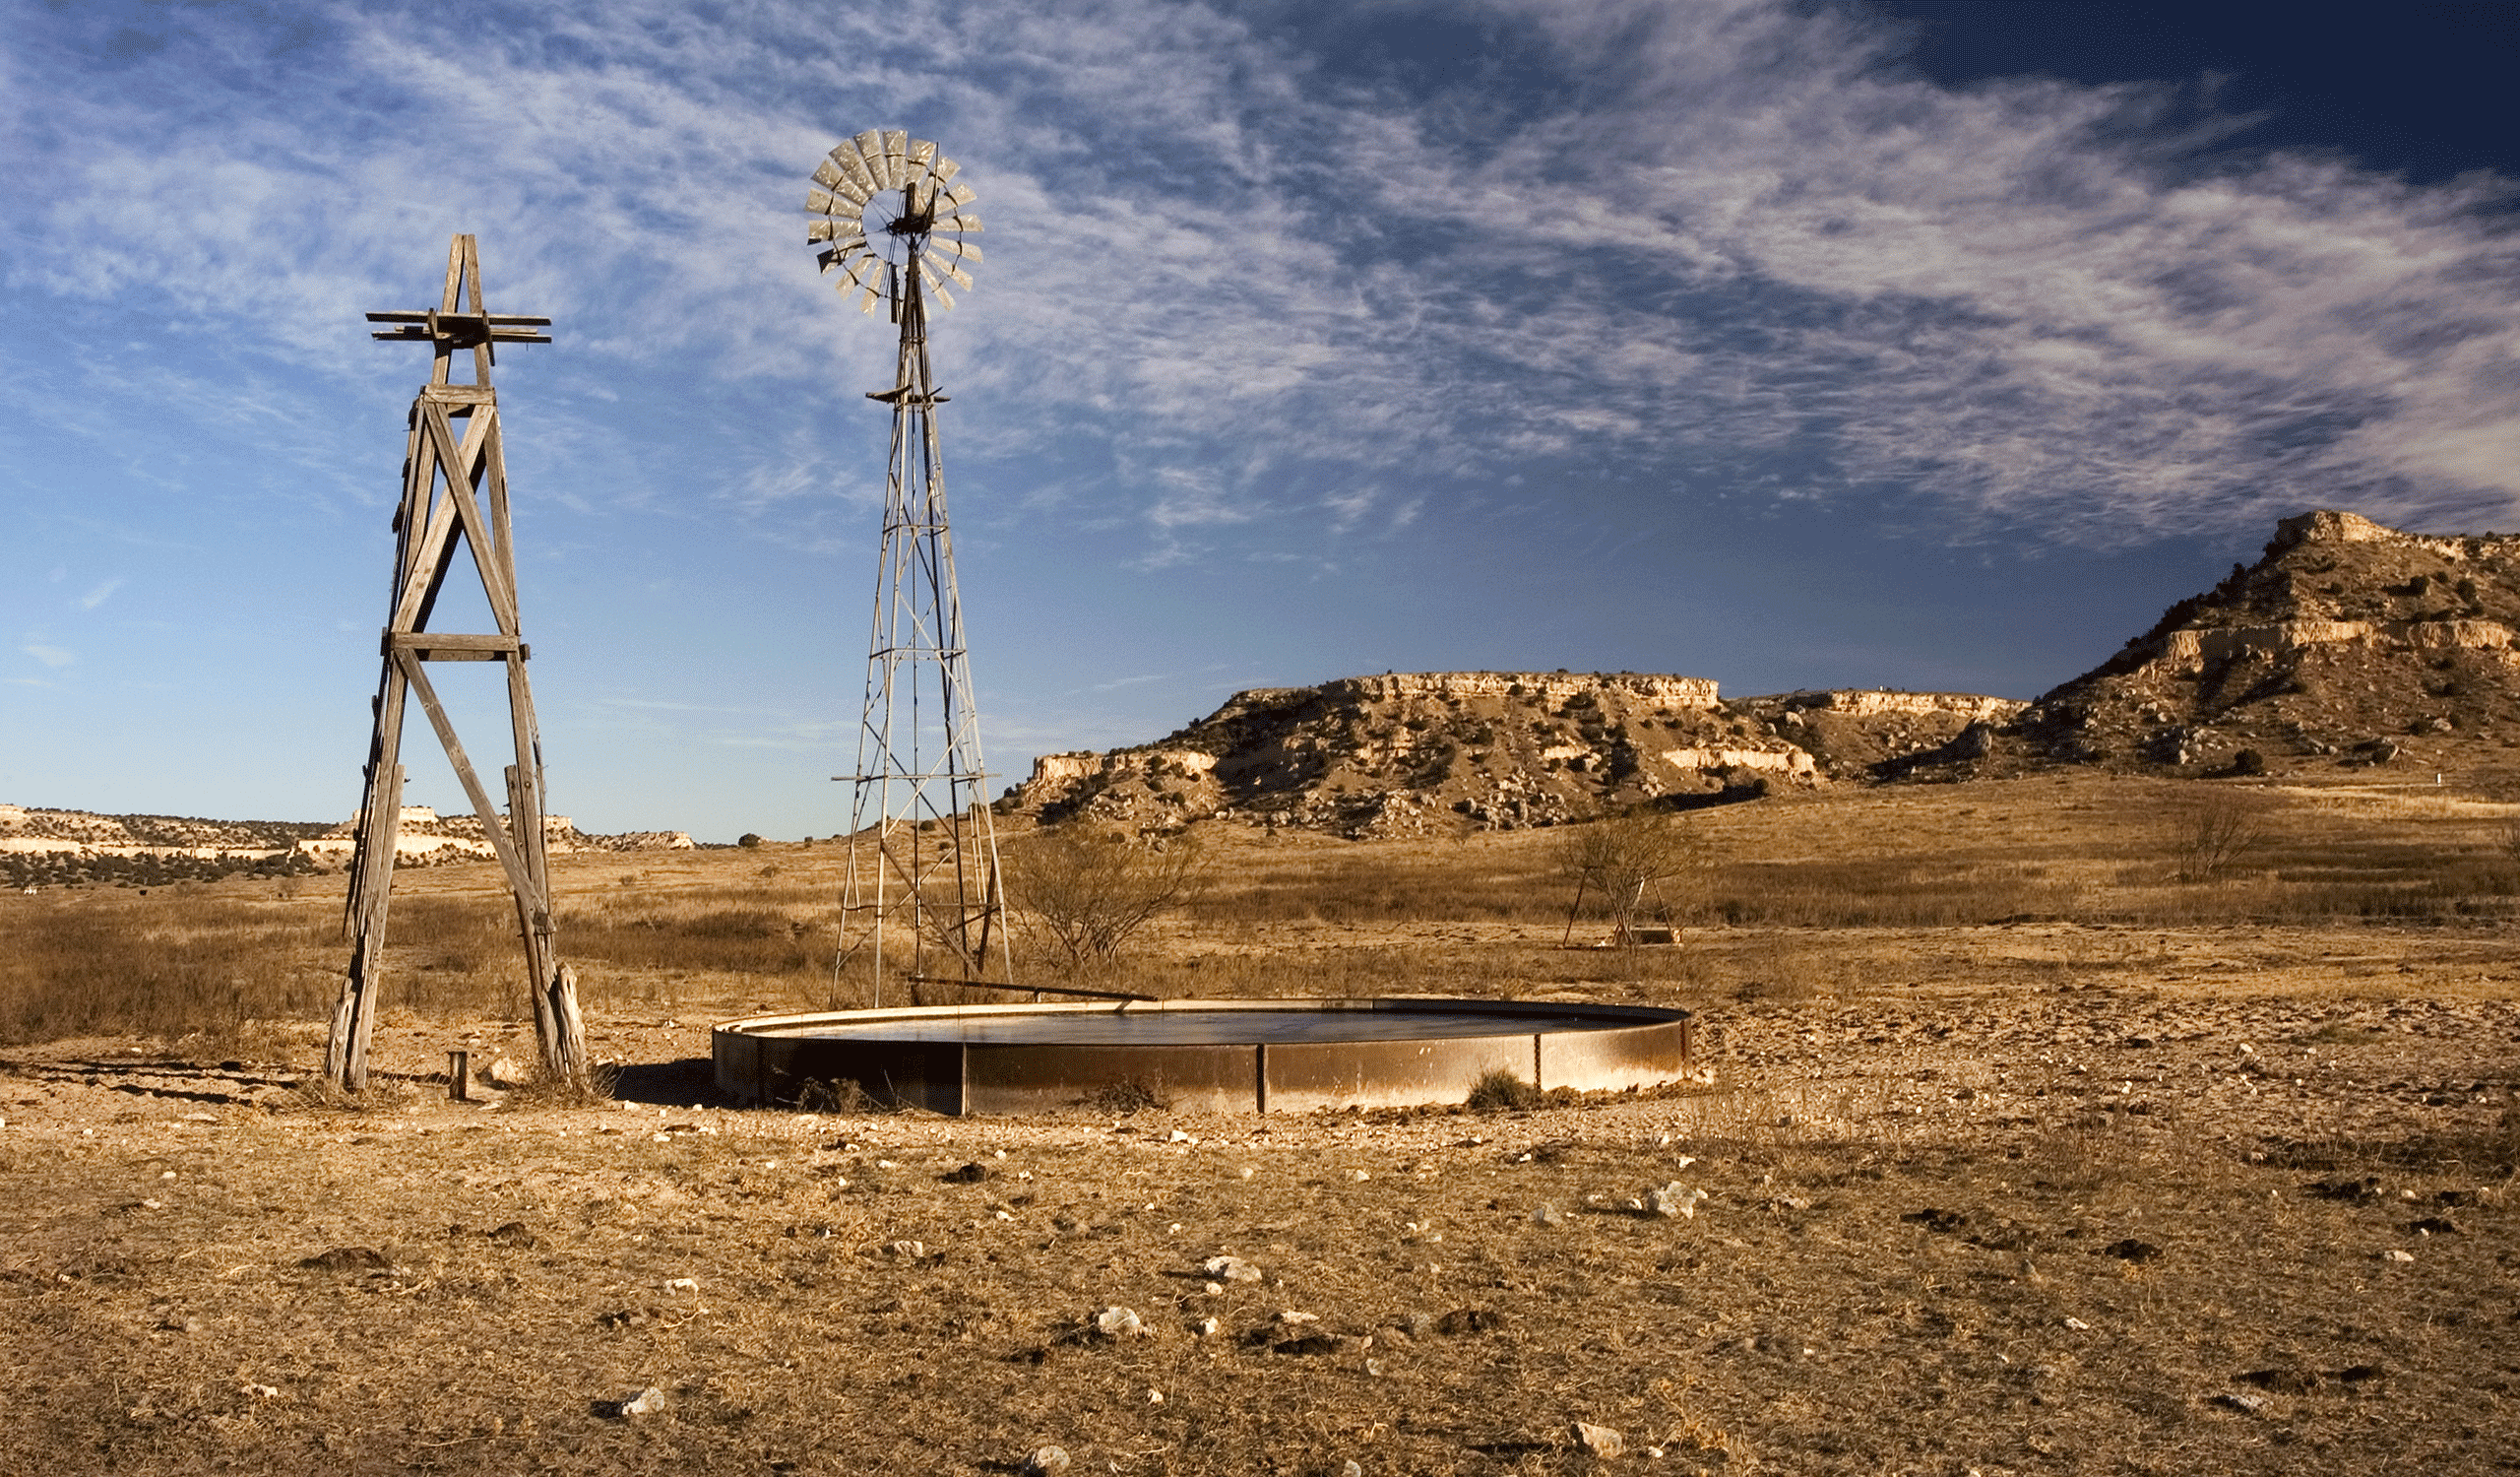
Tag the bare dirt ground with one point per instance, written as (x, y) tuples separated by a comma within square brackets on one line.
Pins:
[(2036, 1196), (2183, 1224)]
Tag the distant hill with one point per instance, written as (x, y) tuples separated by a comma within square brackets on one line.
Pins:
[(2347, 642), (1419, 753), (39, 846)]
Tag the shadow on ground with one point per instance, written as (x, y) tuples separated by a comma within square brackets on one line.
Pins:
[(691, 1082)]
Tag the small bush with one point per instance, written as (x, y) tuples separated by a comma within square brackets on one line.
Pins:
[(2248, 761), (748, 838), (1500, 1091)]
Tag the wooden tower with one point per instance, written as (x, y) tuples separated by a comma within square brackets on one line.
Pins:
[(455, 499)]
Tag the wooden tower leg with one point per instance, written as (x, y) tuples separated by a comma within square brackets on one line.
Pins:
[(371, 889)]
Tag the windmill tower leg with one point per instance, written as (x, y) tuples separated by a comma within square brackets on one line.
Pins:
[(447, 480)]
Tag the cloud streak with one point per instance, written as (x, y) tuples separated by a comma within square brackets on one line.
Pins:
[(1723, 248)]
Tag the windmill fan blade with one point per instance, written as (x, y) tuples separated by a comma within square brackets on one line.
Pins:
[(945, 170), (874, 291), (840, 256), (922, 153), (825, 230), (961, 223), (827, 174), (961, 195), (870, 149), (860, 180), (963, 251), (962, 279), (936, 288), (821, 203), (897, 155)]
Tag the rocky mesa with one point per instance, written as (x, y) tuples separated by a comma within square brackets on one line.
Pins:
[(1416, 753)]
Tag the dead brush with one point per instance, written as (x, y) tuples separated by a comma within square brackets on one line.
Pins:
[(1500, 1091), (539, 1091), (385, 1093)]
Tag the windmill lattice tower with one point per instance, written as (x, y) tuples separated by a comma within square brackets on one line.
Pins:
[(924, 893)]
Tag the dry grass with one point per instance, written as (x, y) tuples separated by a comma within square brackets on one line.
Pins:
[(2023, 1156)]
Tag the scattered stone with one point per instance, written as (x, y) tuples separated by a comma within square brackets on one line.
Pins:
[(2132, 1250), (908, 1251), (347, 1260), (2394, 1254), (2078, 1326), (1046, 1462), (1291, 1315), (506, 1073), (1601, 1441), (1547, 1215), (2242, 1401), (970, 1174), (1116, 1322), (1206, 1328), (682, 1284), (1672, 1200), (643, 1402), (1230, 1269)]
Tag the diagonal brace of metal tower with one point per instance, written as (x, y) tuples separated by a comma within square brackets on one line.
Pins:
[(924, 893), (455, 498)]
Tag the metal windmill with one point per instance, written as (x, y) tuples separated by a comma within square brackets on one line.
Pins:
[(923, 893)]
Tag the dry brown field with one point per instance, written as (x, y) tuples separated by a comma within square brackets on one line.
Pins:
[(2022, 1155)]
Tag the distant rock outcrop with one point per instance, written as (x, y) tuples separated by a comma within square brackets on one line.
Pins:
[(1414, 753), (423, 836), (2347, 641)]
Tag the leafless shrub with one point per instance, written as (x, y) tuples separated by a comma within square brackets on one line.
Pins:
[(1622, 861), (1090, 893), (1500, 1091), (2210, 835)]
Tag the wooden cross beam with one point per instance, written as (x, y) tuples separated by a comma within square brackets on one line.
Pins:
[(455, 501)]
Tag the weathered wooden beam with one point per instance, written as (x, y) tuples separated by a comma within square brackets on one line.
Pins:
[(491, 825)]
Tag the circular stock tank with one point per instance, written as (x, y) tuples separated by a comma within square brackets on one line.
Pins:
[(1214, 1056)]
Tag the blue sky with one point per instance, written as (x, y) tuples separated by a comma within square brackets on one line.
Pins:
[(1929, 344)]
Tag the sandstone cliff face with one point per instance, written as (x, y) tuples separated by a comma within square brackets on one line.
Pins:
[(2346, 642), (1419, 753)]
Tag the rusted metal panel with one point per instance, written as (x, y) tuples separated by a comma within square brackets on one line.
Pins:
[(1633, 1057), (1305, 1075), (1040, 1078)]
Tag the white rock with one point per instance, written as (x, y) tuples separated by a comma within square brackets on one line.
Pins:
[(683, 1284), (2394, 1254), (1603, 1442), (1116, 1322), (1671, 1200), (1206, 1328), (1231, 1269), (1291, 1315), (1046, 1462), (645, 1402)]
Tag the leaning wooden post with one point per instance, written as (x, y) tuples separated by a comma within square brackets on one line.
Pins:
[(446, 478)]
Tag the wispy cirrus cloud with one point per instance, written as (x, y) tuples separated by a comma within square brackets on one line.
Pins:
[(1726, 244)]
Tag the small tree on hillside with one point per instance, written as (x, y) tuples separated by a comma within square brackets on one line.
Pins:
[(2210, 835), (1090, 893), (1622, 860)]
